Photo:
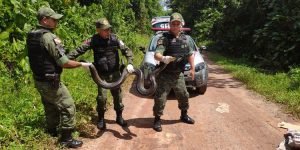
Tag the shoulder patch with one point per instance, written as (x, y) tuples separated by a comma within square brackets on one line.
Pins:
[(87, 42), (57, 41), (114, 37), (121, 43), (59, 46), (184, 36)]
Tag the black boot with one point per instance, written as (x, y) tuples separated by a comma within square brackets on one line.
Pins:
[(52, 132), (185, 118), (120, 119), (157, 124), (67, 140), (101, 125)]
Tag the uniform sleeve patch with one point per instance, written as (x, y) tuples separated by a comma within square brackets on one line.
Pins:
[(121, 43), (57, 41), (59, 46), (87, 42)]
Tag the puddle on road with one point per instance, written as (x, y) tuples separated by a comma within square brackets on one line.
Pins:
[(223, 108)]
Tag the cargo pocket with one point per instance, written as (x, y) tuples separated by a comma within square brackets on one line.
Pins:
[(102, 65), (112, 64)]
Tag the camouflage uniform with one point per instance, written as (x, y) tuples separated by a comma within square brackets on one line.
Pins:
[(47, 58), (106, 61), (58, 103), (167, 80), (109, 76), (171, 45)]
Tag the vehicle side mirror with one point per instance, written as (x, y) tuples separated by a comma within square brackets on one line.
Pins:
[(202, 48), (143, 49)]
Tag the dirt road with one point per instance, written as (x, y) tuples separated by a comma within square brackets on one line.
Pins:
[(228, 117)]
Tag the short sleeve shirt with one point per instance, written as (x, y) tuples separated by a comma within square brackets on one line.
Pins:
[(160, 48), (55, 48)]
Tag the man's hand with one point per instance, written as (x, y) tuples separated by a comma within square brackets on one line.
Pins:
[(130, 68), (85, 65), (167, 59), (192, 74)]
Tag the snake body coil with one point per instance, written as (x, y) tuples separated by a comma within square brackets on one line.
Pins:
[(140, 80)]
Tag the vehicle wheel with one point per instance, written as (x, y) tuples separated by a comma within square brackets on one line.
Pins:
[(202, 89)]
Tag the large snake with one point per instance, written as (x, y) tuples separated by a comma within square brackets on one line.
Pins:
[(140, 79)]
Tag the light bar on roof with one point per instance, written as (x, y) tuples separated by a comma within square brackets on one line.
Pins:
[(153, 20), (160, 19), (168, 29)]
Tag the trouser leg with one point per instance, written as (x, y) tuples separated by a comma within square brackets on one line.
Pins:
[(182, 97), (117, 100), (160, 99), (59, 105), (101, 107), (67, 108), (101, 99), (181, 93), (52, 117), (118, 106)]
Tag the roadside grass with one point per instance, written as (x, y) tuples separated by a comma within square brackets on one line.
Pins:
[(22, 119), (283, 88)]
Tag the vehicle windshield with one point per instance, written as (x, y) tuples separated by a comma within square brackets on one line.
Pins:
[(153, 43), (154, 39), (194, 44), (160, 22)]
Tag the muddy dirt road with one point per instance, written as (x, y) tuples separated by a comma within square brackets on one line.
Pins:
[(228, 117)]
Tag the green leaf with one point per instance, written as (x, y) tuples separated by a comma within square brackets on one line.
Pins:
[(4, 35), (16, 5), (20, 20)]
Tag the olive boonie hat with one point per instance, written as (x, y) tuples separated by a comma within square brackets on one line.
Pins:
[(176, 17), (102, 23), (48, 12)]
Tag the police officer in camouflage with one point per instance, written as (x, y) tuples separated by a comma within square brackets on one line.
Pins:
[(174, 49), (105, 46), (47, 59)]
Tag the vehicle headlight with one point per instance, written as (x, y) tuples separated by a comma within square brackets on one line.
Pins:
[(199, 66), (187, 67), (149, 66)]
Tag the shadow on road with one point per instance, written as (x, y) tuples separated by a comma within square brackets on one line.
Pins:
[(126, 136), (92, 132), (148, 122), (221, 82), (136, 122), (171, 95), (133, 90)]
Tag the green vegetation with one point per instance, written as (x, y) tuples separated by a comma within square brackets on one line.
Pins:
[(262, 31), (281, 87), (21, 112), (263, 34)]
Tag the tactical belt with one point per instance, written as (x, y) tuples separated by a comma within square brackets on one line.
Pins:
[(47, 77), (41, 79), (52, 79)]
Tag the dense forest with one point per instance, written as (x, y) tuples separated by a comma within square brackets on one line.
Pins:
[(21, 112), (266, 33), (19, 17)]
